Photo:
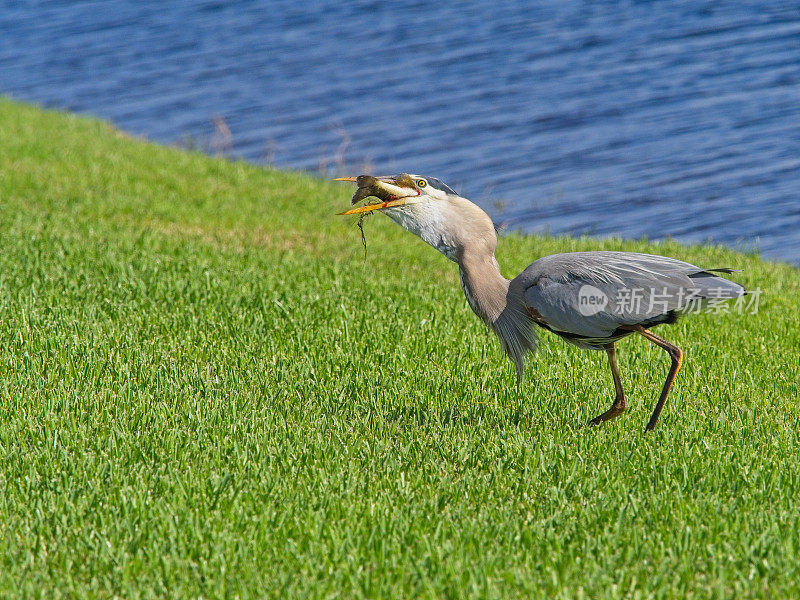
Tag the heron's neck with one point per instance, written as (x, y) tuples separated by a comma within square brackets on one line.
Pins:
[(465, 234), (490, 296), (484, 286)]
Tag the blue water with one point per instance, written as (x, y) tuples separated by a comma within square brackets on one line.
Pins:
[(650, 118)]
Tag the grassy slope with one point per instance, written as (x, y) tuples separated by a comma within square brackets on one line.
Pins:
[(205, 389)]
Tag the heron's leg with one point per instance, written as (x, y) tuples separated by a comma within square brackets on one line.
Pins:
[(677, 357), (619, 405)]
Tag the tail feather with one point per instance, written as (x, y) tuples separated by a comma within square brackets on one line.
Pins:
[(710, 272), (711, 286)]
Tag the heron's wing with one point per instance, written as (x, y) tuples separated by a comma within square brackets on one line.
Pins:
[(591, 294)]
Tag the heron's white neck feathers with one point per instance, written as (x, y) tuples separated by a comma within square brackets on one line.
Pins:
[(465, 234), (453, 226), (427, 220)]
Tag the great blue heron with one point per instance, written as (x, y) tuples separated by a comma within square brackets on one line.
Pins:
[(591, 299)]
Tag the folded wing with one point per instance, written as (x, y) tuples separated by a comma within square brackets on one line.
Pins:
[(592, 294)]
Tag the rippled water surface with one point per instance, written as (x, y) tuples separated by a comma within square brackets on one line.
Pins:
[(655, 118)]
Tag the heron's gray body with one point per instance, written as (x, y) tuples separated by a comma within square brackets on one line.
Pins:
[(640, 289)]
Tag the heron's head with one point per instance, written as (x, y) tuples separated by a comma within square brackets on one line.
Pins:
[(397, 190), (427, 208)]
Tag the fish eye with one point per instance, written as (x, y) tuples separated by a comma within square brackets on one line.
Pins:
[(421, 183)]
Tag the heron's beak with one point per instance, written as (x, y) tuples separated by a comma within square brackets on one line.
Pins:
[(390, 191)]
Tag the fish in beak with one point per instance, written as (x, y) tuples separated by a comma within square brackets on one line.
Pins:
[(389, 190)]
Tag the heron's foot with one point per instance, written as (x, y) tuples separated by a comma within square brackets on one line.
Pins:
[(619, 406)]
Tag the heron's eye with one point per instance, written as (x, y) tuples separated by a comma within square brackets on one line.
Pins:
[(422, 183)]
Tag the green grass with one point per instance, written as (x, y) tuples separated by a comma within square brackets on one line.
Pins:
[(205, 391)]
